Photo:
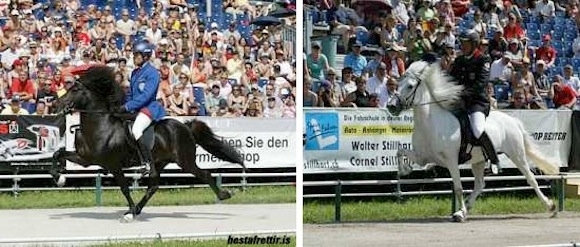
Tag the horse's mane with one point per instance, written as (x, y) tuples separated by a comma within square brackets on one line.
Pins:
[(443, 88), (101, 81)]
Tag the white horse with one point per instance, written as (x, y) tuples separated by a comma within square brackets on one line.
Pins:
[(437, 136)]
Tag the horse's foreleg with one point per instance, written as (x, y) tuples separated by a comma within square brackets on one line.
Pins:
[(124, 184), (153, 185), (461, 214), (59, 159), (478, 185), (405, 167)]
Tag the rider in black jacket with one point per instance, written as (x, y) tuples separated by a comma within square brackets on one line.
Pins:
[(471, 69)]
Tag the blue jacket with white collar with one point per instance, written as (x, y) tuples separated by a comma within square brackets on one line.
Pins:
[(142, 95)]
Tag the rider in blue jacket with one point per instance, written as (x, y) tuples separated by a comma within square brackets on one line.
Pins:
[(141, 98)]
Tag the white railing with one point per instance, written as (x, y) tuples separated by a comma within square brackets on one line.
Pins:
[(338, 184), (98, 188)]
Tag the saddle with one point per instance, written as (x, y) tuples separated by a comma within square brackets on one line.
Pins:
[(148, 135)]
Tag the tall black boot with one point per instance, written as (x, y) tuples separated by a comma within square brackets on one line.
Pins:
[(146, 158), (489, 151), (464, 156)]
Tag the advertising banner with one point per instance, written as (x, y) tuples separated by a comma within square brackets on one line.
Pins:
[(29, 138), (264, 143), (367, 140)]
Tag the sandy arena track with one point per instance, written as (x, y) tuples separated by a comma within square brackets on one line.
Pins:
[(479, 231), (69, 226)]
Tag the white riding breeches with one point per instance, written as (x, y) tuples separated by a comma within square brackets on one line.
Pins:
[(477, 121), (141, 123)]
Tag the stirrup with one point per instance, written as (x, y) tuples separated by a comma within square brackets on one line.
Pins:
[(490, 168), (146, 169)]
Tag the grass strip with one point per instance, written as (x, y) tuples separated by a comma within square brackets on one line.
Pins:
[(377, 210), (164, 197)]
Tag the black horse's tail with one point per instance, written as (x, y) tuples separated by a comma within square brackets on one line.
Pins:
[(205, 137)]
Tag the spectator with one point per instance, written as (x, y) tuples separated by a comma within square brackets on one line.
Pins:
[(355, 60), (520, 101), (309, 97), (358, 98), (388, 93), (489, 92), (14, 108), (501, 70), (378, 79), (547, 52), (570, 79), (213, 99), (562, 95)]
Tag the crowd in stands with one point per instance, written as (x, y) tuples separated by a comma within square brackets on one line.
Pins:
[(533, 44), (210, 65)]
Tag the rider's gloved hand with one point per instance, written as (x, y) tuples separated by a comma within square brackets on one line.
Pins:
[(122, 109)]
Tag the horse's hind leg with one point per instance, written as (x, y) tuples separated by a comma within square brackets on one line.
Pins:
[(206, 177), (478, 185), (124, 184), (188, 164), (523, 165), (152, 187)]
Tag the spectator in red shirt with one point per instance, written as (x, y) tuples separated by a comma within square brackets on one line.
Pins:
[(563, 95), (547, 52), (23, 87), (513, 29)]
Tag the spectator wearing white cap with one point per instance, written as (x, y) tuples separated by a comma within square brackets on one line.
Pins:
[(501, 69), (264, 68), (214, 29)]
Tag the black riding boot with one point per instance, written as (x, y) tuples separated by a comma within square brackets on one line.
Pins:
[(490, 153), (146, 158)]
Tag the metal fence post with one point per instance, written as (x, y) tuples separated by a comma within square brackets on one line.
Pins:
[(98, 190), (15, 187), (244, 181), (218, 183), (337, 201), (399, 192), (561, 193)]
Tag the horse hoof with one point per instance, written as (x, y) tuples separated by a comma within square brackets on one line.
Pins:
[(61, 181), (127, 218), (458, 217), (552, 207), (224, 195)]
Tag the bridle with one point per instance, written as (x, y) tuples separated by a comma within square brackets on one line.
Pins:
[(419, 80), (69, 108)]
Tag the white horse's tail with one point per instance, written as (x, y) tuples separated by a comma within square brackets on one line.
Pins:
[(547, 166)]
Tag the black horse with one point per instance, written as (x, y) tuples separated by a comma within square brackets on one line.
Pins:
[(104, 138)]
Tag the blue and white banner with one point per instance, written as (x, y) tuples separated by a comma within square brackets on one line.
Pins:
[(367, 140)]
